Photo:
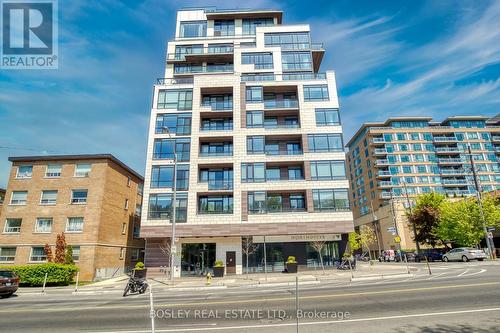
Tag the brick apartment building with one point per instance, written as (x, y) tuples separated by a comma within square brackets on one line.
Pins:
[(95, 200)]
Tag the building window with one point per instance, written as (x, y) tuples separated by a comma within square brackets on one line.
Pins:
[(129, 181), (83, 170), (179, 124), (192, 29), (255, 144), (295, 61), (126, 204), (215, 204), (48, 198), (137, 230), (253, 172), (79, 196), (24, 171), (74, 224), (12, 226), (7, 254), (331, 199), (53, 171), (327, 117), (249, 25), (160, 207), (175, 99), (224, 28), (122, 253), (252, 77), (327, 170), (76, 252), (254, 95), (162, 177), (255, 119), (260, 60), (43, 225), (134, 255), (316, 93), (325, 143), (164, 149), (288, 40), (38, 254), (19, 198), (124, 228)]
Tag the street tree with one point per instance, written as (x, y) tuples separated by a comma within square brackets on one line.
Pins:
[(367, 238), (48, 252), (248, 248), (69, 256), (425, 216), (165, 249), (353, 243), (318, 246)]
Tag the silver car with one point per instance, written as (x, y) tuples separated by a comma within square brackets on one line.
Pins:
[(464, 254)]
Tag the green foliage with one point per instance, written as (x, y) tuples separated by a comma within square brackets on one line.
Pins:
[(353, 242), (291, 260), (69, 256), (139, 266), (461, 222), (33, 275), (491, 209), (425, 217), (219, 263)]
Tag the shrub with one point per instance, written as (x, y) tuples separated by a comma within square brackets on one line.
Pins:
[(218, 263), (33, 275), (69, 256), (291, 260)]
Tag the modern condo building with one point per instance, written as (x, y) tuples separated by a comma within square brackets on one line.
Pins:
[(414, 155), (256, 130)]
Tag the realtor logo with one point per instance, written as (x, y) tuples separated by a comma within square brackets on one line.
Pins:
[(29, 34)]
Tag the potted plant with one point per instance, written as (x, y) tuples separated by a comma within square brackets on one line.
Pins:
[(218, 269), (291, 265)]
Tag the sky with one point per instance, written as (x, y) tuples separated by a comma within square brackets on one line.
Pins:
[(392, 58)]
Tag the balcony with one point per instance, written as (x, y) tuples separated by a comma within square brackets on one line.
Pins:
[(463, 182), (445, 139), (174, 81), (458, 192), (385, 195), (378, 141), (281, 104), (216, 153), (385, 183), (200, 54), (382, 162), (282, 77), (216, 127), (273, 203), (271, 151), (318, 51), (452, 172), (384, 173), (220, 184), (450, 160), (495, 138), (447, 150), (380, 151), (199, 69)]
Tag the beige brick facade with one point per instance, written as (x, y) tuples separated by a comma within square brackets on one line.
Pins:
[(106, 242)]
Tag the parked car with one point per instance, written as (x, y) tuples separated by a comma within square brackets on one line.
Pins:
[(9, 282), (432, 254), (387, 256), (464, 254)]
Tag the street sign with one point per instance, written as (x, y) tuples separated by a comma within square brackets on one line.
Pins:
[(173, 249), (491, 229), (391, 229), (397, 239)]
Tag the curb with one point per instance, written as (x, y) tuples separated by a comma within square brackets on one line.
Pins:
[(381, 277)]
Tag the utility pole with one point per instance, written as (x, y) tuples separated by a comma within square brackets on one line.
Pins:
[(413, 224), (479, 202), (173, 248), (394, 219), (376, 225)]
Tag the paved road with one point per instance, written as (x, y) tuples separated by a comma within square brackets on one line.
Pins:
[(458, 297)]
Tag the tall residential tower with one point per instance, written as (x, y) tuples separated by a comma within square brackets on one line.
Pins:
[(258, 140)]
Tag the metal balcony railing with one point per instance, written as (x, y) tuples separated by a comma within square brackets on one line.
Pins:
[(444, 139), (281, 104)]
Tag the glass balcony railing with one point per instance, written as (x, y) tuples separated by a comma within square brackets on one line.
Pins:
[(169, 81), (445, 139), (216, 153), (203, 69), (259, 77), (211, 50), (220, 184), (215, 106), (283, 152), (222, 127), (281, 104)]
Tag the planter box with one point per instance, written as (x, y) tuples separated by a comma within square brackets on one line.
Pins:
[(291, 268), (219, 271)]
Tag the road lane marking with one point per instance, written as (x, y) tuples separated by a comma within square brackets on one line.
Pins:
[(467, 270), (329, 322), (259, 300)]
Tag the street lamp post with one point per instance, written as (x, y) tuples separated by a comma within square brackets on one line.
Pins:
[(173, 248), (480, 204)]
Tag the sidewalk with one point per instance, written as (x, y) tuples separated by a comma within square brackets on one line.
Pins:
[(364, 271)]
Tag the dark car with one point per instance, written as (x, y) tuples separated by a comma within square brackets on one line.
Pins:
[(9, 282), (432, 254)]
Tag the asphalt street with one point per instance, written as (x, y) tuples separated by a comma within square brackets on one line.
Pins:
[(457, 297)]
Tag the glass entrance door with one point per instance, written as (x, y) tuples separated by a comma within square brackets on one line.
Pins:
[(197, 258)]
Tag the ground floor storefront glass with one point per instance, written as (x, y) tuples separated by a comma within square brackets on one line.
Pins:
[(197, 258), (277, 254)]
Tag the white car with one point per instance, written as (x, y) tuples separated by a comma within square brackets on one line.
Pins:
[(464, 254)]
